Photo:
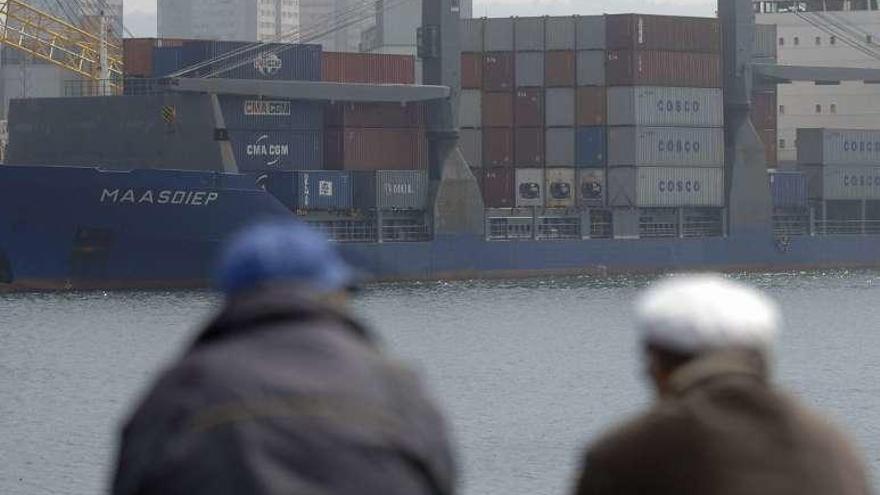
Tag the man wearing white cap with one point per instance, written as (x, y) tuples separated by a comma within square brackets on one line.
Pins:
[(719, 426)]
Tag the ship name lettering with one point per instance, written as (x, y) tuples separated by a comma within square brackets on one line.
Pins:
[(184, 198)]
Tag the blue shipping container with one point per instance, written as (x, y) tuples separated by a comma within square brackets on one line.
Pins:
[(323, 190), (590, 149), (252, 112), (789, 189), (272, 150), (267, 61), (167, 60)]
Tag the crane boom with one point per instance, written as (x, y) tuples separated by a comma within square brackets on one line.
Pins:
[(51, 39)]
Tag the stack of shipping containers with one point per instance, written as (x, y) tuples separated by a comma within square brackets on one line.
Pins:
[(843, 178), (764, 96), (665, 117)]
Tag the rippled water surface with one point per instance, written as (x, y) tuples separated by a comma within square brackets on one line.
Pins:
[(528, 371)]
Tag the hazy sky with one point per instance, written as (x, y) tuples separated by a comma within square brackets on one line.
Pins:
[(140, 15)]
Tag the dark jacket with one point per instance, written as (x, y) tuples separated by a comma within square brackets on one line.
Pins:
[(724, 430), (282, 395)]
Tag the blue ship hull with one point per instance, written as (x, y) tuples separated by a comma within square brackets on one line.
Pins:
[(67, 227)]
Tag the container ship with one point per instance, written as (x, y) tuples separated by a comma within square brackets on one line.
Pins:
[(586, 144)]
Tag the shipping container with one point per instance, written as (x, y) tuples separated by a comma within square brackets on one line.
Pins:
[(591, 108), (471, 143), (763, 112), (529, 107), (471, 70), (591, 32), (560, 105), (375, 149), (765, 42), (560, 68), (841, 183), (529, 69), (472, 35), (529, 33), (665, 187), (498, 73), (789, 190), (324, 190), (591, 68), (391, 190), (561, 34), (498, 147), (529, 187), (268, 61), (497, 109), (529, 147), (658, 68), (272, 150), (368, 68), (498, 187), (470, 108), (138, 56), (840, 147), (665, 106), (769, 138), (665, 147), (498, 35), (282, 185), (560, 187), (167, 60), (667, 33), (254, 113), (559, 147), (590, 147), (384, 115), (591, 187)]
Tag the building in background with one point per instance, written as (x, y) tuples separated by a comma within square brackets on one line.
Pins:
[(337, 24), (22, 76), (231, 20), (824, 33)]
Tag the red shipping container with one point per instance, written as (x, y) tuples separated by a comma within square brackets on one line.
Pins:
[(498, 187), (387, 115), (375, 149), (764, 110), (654, 68), (498, 72), (472, 71), (560, 68), (138, 54), (529, 147), (497, 109), (591, 106), (529, 107), (368, 68), (667, 33), (497, 147)]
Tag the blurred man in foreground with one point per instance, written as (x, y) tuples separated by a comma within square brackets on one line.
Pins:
[(284, 393), (719, 426)]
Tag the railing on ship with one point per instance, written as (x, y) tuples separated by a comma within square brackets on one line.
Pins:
[(403, 226), (131, 87), (518, 224)]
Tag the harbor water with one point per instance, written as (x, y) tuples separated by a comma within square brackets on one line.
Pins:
[(528, 371)]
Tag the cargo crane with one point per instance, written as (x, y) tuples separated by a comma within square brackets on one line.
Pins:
[(56, 41)]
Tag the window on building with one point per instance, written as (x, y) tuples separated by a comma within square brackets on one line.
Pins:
[(818, 40), (781, 109), (781, 41), (797, 41), (818, 108), (782, 144), (832, 40), (833, 108)]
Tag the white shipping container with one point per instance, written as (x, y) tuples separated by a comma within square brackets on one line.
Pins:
[(529, 187), (851, 183), (665, 106), (592, 188), (470, 108), (560, 188), (838, 147), (666, 187), (665, 147)]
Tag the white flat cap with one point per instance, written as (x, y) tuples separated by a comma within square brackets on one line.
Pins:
[(694, 314)]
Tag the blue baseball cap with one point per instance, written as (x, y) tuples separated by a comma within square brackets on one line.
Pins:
[(281, 251)]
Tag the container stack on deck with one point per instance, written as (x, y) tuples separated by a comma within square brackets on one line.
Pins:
[(764, 96)]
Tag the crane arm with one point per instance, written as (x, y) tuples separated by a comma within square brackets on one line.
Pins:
[(49, 38)]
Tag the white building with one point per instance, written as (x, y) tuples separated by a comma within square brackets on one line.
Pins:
[(229, 20), (839, 33)]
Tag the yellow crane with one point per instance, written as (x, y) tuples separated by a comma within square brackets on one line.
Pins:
[(46, 37)]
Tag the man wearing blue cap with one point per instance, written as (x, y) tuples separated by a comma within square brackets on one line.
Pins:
[(284, 393)]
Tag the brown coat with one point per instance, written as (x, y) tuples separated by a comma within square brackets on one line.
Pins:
[(724, 430)]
